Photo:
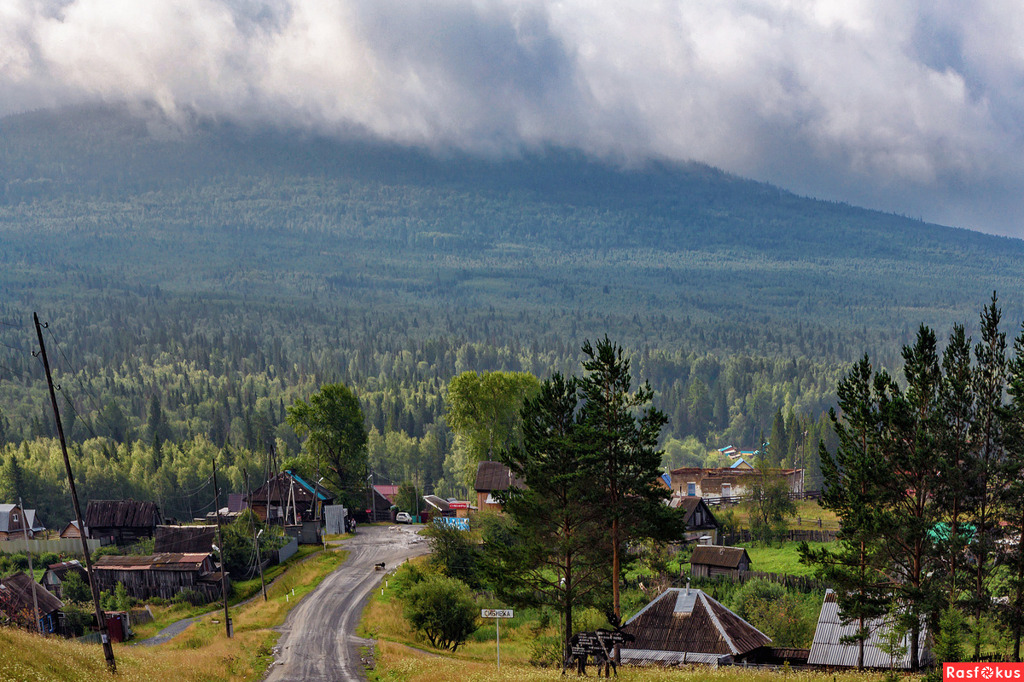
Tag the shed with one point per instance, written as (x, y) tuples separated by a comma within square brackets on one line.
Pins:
[(16, 602), (684, 625), (71, 531), (53, 577), (160, 575), (827, 649), (707, 561), (125, 521), (184, 539)]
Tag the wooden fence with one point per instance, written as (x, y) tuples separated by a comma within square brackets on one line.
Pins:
[(799, 582), (287, 551), (743, 535), (715, 501)]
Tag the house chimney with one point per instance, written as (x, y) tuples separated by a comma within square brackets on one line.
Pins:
[(687, 588)]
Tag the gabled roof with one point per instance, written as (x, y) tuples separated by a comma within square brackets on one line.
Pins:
[(30, 515), (491, 476), (167, 561), (280, 485), (236, 503), (827, 650), (20, 586), (121, 514), (689, 504), (61, 569), (186, 539), (686, 620), (713, 555), (389, 492)]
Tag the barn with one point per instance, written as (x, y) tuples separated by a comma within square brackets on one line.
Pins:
[(708, 561), (160, 575)]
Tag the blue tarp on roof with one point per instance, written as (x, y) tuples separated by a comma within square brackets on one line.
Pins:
[(667, 479), (307, 486)]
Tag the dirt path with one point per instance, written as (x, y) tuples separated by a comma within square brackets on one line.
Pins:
[(318, 639)]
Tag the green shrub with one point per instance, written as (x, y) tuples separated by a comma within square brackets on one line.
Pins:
[(47, 559), (73, 588), (753, 592), (77, 618), (443, 610)]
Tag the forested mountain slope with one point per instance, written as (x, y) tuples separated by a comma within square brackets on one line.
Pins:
[(199, 276)]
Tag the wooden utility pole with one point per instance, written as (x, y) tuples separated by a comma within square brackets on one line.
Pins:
[(31, 571), (255, 535), (220, 543), (108, 649)]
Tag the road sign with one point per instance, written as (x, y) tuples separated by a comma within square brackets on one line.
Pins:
[(496, 613), (458, 505)]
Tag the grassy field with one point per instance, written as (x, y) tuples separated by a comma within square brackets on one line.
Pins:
[(807, 515), (200, 654), (776, 559)]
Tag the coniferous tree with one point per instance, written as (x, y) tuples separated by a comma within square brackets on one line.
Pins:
[(1011, 494)]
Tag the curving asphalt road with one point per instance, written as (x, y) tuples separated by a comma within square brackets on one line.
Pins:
[(318, 639)]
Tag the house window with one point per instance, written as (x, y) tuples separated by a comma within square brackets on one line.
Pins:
[(691, 489), (14, 518)]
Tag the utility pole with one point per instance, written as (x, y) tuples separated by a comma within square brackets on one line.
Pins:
[(373, 499), (31, 571), (255, 535), (108, 649), (220, 543)]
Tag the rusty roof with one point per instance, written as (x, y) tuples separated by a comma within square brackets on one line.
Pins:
[(827, 650), (688, 620), (492, 476), (121, 514), (167, 561)]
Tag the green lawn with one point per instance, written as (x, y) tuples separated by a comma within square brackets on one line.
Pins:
[(776, 559)]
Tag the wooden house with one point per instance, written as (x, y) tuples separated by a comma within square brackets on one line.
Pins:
[(71, 531), (698, 520), (289, 495), (160, 575), (492, 477), (683, 626), (829, 650), (14, 521), (53, 577), (17, 604), (708, 561), (729, 483), (125, 522)]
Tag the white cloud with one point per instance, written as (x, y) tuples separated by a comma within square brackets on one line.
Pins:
[(905, 106)]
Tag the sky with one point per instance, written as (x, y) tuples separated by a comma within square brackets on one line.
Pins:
[(914, 108)]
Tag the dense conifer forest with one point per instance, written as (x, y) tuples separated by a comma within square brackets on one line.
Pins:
[(198, 278)]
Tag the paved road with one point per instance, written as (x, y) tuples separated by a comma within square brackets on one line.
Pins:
[(318, 639)]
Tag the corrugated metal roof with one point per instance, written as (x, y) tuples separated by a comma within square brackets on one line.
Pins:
[(826, 649), (168, 561), (650, 657), (689, 621), (438, 503)]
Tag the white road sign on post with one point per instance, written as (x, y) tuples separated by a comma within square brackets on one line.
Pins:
[(497, 614)]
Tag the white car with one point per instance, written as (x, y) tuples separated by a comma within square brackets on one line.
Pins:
[(403, 517)]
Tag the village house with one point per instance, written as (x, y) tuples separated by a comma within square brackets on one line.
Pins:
[(708, 561), (699, 522), (17, 604), (492, 477), (687, 626), (71, 531), (53, 577), (288, 498), (124, 522), (729, 483), (13, 520), (831, 650), (160, 575)]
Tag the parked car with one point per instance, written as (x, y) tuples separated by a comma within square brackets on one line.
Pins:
[(403, 517)]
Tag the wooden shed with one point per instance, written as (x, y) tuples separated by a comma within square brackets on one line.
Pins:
[(708, 561), (53, 577), (683, 625), (124, 521), (160, 575)]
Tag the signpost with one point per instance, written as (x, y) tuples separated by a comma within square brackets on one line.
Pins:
[(497, 614)]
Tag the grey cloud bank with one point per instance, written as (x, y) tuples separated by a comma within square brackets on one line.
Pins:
[(916, 108)]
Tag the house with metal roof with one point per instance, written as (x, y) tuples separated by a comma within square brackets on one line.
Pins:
[(13, 520), (160, 575), (289, 495), (687, 626), (829, 650), (708, 561)]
